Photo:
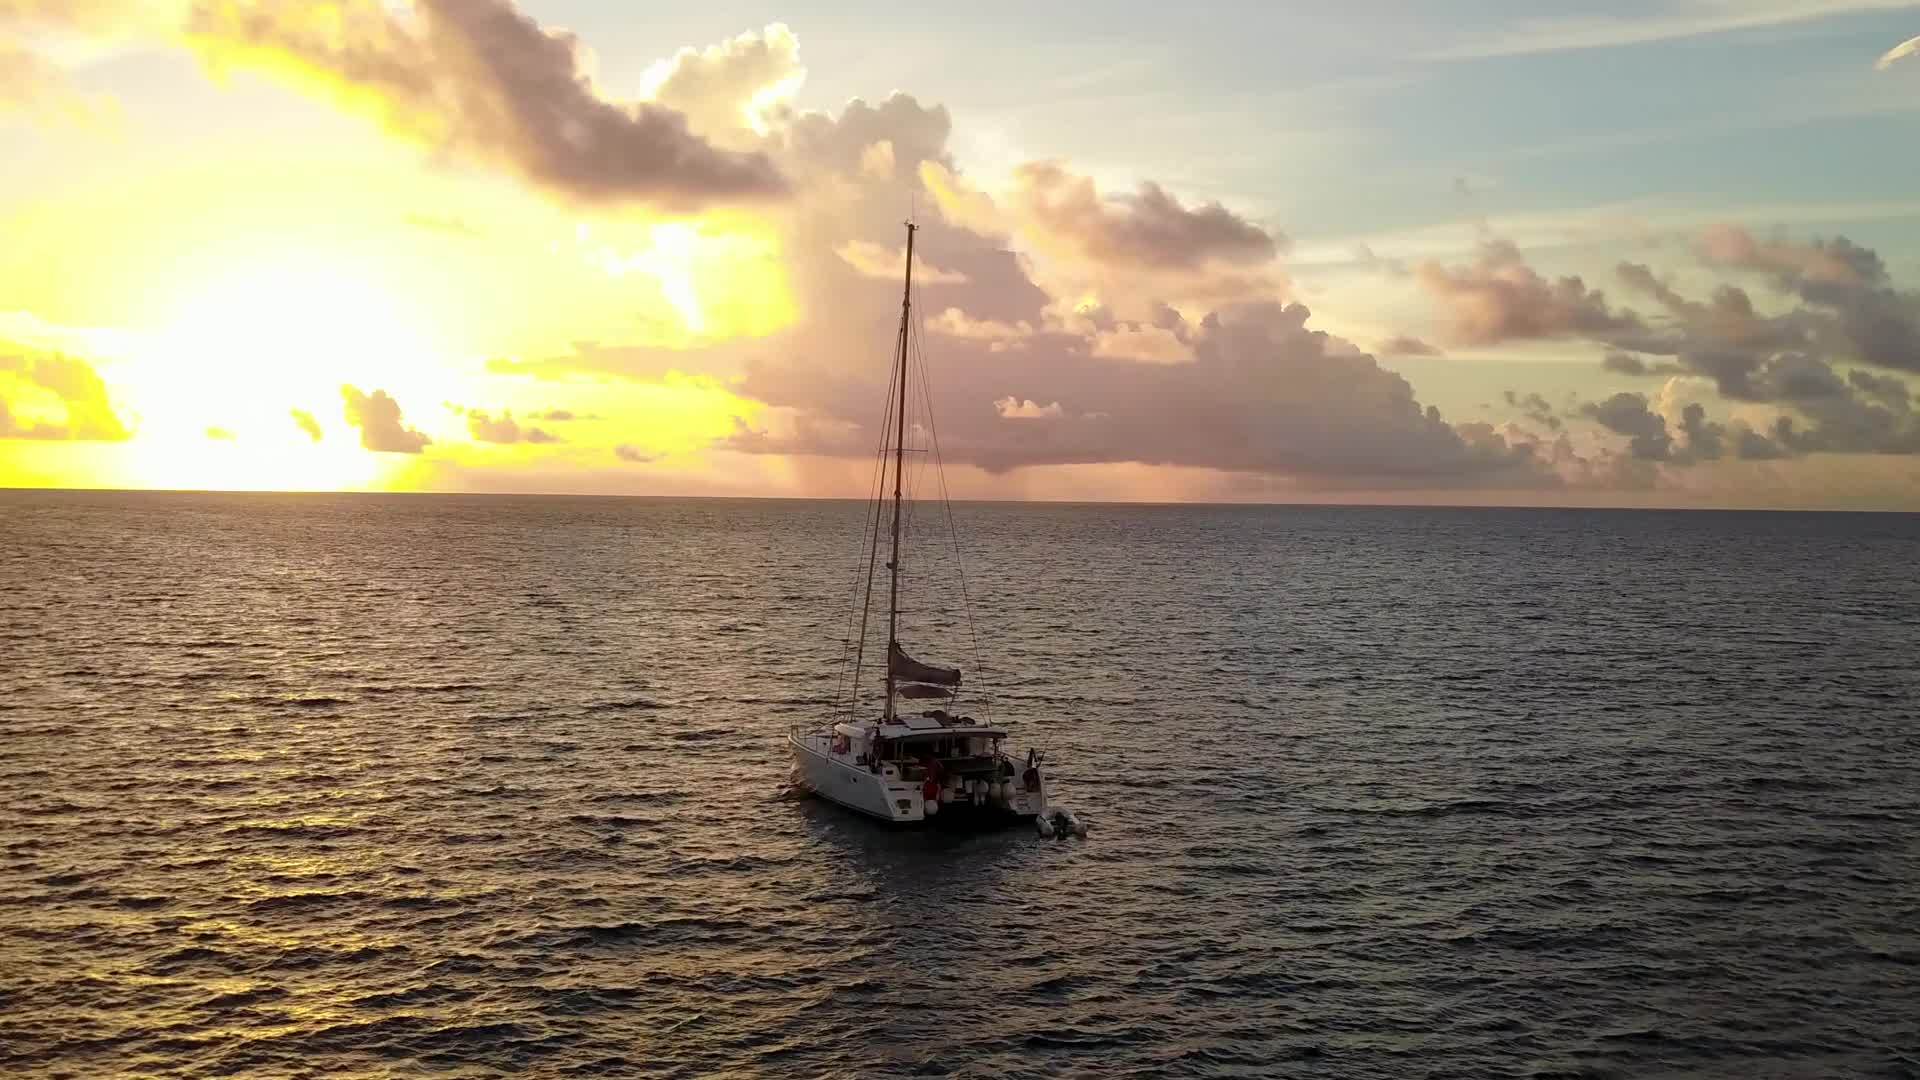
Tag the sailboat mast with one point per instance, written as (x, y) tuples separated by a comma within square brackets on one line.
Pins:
[(899, 463)]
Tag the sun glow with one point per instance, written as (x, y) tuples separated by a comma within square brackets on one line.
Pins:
[(241, 388), (721, 282)]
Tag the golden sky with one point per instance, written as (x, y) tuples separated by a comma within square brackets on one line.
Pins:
[(446, 245)]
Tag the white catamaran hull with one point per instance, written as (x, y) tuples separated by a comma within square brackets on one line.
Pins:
[(886, 796)]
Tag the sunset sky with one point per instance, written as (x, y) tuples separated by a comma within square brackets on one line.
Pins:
[(1653, 252)]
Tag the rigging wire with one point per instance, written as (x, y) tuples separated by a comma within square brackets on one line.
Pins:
[(873, 549), (946, 499)]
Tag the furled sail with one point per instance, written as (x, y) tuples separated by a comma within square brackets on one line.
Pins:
[(905, 668), (917, 691)]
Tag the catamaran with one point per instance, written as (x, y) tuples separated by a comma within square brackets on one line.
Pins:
[(905, 766)]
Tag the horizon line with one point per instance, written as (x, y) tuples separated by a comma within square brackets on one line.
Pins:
[(1153, 503)]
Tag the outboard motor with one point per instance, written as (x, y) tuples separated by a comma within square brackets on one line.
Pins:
[(1070, 822)]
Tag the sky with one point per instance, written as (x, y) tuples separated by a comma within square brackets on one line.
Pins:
[(1646, 253)]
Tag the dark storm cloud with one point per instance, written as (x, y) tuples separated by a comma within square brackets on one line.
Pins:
[(378, 417), (479, 79)]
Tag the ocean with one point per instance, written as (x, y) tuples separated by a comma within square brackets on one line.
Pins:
[(317, 785)]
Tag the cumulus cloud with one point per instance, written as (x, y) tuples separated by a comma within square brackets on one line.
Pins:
[(1262, 394), (87, 411), (1652, 436), (378, 417), (1843, 311), (1148, 228), (481, 80), (307, 423), (504, 429), (1499, 298), (1128, 252), (1143, 344), (1627, 414), (742, 84), (1847, 297), (1012, 408), (1406, 345)]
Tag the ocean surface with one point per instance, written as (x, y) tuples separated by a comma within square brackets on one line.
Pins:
[(477, 786)]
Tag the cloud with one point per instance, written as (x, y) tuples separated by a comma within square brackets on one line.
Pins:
[(1626, 363), (1126, 252), (1404, 345), (220, 434), (1143, 344), (1909, 47), (1627, 414), (480, 80), (1834, 262), (71, 383), (378, 418), (594, 359), (1850, 309), (1263, 394), (1499, 298), (504, 429), (1845, 311), (634, 454), (307, 423), (880, 261), (1148, 229), (1536, 409), (956, 323), (1652, 439), (1012, 408), (1521, 37), (739, 85)]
